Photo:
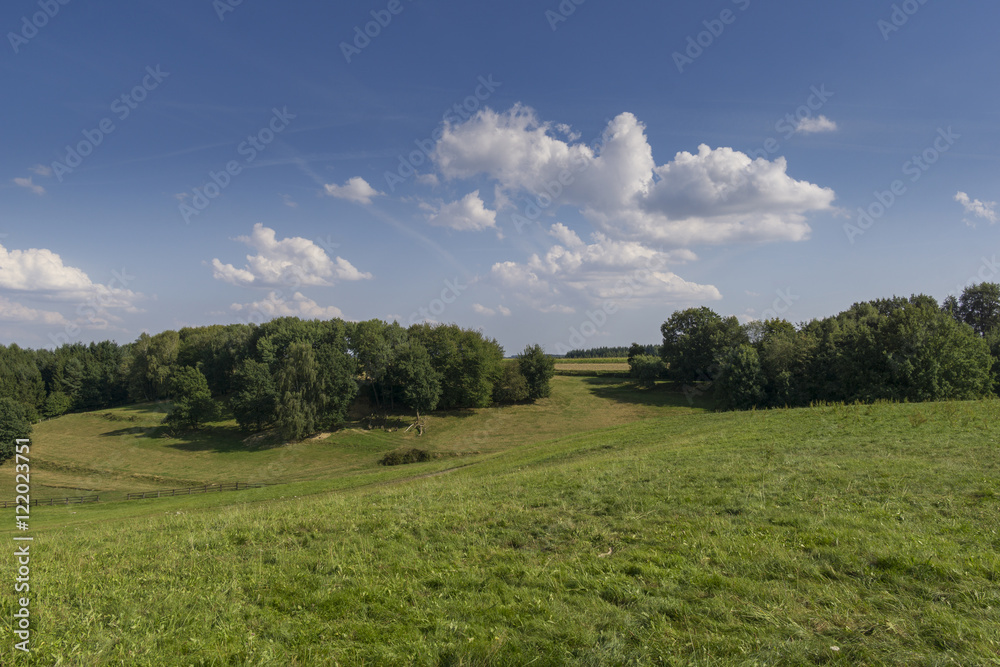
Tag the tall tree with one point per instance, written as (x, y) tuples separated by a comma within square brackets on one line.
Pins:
[(979, 307), (299, 392), (740, 381), (538, 369), (421, 384), (14, 424), (315, 389), (692, 341), (256, 399), (193, 404), (151, 364)]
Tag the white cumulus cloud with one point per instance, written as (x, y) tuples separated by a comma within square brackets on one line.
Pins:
[(811, 125), (43, 274), (11, 311), (986, 210), (713, 196), (483, 310), (626, 272), (490, 312), (356, 189), (466, 214), (274, 305), (291, 261)]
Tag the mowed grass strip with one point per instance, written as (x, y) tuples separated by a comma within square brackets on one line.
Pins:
[(830, 535)]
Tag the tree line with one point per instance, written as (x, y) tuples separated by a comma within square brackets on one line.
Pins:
[(299, 376), (903, 349), (610, 352)]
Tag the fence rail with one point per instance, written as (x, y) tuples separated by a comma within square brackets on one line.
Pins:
[(75, 500), (186, 491)]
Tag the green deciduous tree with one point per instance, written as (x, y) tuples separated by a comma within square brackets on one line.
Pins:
[(646, 369), (692, 341), (979, 307), (14, 424), (421, 384), (739, 384), (538, 370), (150, 364), (315, 389), (256, 399), (193, 404), (21, 380), (511, 386), (468, 363)]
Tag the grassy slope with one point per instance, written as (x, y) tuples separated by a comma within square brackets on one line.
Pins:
[(741, 538), (90, 453)]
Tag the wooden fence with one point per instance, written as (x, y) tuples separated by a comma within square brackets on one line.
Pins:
[(54, 501), (207, 488)]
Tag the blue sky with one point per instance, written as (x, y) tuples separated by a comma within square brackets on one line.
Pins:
[(567, 174)]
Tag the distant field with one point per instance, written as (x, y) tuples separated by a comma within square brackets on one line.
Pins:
[(614, 361), (841, 535), (582, 367), (111, 452)]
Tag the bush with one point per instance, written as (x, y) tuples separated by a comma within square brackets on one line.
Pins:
[(646, 369), (400, 457), (512, 387), (538, 369)]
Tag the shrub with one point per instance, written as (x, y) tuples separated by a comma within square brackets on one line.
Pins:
[(400, 457), (646, 369), (512, 387)]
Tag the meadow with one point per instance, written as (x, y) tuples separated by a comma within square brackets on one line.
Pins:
[(605, 525)]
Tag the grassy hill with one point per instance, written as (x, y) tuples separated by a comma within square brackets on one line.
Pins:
[(111, 452), (833, 535)]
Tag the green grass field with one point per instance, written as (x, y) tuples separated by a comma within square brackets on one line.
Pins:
[(604, 526), (111, 452)]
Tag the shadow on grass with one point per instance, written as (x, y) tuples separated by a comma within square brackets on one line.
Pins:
[(664, 394), (135, 430), (222, 440), (156, 407)]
